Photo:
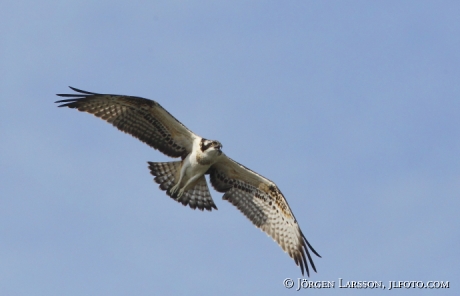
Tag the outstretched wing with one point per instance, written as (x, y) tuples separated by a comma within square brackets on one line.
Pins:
[(260, 200), (142, 118)]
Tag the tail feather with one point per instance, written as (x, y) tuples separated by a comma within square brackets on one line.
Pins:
[(167, 174)]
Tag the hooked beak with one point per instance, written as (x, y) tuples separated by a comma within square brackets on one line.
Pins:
[(219, 148)]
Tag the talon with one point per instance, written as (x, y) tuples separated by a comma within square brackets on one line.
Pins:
[(174, 189), (180, 193)]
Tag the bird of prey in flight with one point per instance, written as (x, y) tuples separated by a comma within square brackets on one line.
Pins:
[(258, 198)]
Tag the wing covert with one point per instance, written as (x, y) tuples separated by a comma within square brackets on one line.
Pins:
[(142, 118)]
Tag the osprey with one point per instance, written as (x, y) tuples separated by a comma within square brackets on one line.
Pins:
[(258, 198)]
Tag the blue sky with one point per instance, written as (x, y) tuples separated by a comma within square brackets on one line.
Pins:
[(351, 107)]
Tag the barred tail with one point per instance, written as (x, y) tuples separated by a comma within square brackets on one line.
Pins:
[(167, 174)]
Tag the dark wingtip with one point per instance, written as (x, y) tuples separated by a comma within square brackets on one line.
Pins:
[(82, 91), (313, 250), (305, 253), (68, 103), (306, 263), (302, 266), (64, 101), (78, 91), (308, 244)]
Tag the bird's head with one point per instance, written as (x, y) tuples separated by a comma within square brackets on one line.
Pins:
[(207, 146)]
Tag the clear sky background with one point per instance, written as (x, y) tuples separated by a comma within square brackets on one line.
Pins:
[(351, 107)]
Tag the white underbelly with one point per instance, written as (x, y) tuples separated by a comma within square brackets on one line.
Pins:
[(191, 168), (195, 169)]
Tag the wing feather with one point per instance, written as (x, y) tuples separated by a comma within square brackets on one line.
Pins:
[(260, 200), (142, 118)]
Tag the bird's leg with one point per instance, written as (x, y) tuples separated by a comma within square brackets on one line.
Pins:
[(189, 181), (181, 176), (174, 189)]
